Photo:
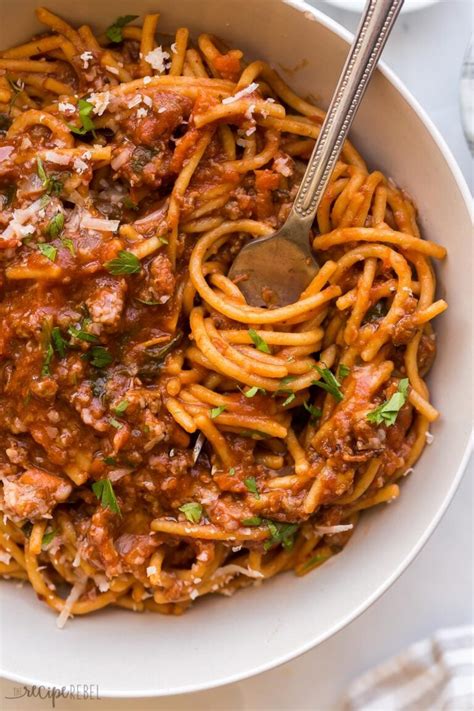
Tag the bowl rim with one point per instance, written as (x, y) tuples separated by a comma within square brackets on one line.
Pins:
[(107, 693)]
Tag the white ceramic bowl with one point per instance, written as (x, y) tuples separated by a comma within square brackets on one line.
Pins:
[(222, 640)]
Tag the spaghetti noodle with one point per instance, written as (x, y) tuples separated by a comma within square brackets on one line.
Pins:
[(160, 438)]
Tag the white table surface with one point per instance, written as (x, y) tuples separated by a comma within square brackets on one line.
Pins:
[(426, 51)]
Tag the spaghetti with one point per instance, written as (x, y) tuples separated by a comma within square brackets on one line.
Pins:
[(160, 438)]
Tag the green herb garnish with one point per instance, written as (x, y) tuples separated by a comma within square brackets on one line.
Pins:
[(69, 244), (47, 538), (48, 251), (99, 357), (329, 383), (316, 560), (82, 335), (343, 371), (259, 342), (111, 461), (124, 263), (104, 491), (192, 511), (59, 344), (289, 399), (87, 124), (115, 423), (253, 391), (216, 411), (388, 411), (56, 224), (283, 533), (251, 484), (314, 411), (114, 32), (252, 521), (121, 407), (52, 185)]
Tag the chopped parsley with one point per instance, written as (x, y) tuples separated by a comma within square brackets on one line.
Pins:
[(48, 251), (253, 391), (259, 342), (314, 411), (232, 471), (252, 521), (82, 335), (99, 357), (283, 533), (69, 244), (85, 109), (329, 383), (316, 560), (388, 411), (121, 407), (343, 371), (285, 381), (58, 342), (114, 32), (104, 491), (47, 538), (216, 411), (192, 511), (251, 485), (124, 263), (115, 423), (111, 461), (56, 224), (52, 185), (289, 399)]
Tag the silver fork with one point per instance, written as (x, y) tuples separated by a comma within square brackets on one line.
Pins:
[(275, 270)]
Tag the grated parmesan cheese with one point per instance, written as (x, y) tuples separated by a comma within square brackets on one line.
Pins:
[(80, 165), (250, 130), (282, 166), (141, 113), (112, 70), (99, 224), (429, 438), (249, 112), (66, 108), (162, 109), (5, 557), (86, 58), (137, 99), (56, 157), (334, 529), (157, 59), (99, 100), (76, 592), (151, 570), (174, 48), (146, 80), (240, 94), (147, 100)]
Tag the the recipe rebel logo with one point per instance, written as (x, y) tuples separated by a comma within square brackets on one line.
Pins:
[(81, 692)]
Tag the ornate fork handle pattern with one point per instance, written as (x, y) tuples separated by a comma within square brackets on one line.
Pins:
[(375, 26)]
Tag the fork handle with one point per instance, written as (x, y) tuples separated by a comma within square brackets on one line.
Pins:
[(374, 29)]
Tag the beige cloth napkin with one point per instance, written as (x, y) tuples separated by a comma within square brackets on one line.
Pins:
[(435, 674)]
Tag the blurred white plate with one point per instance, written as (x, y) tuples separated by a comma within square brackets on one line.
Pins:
[(358, 5)]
